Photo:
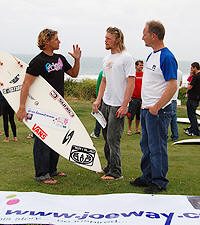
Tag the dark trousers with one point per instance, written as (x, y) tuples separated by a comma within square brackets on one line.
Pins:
[(8, 115), (112, 134), (45, 160), (191, 111)]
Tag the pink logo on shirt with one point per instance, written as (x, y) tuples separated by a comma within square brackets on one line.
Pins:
[(54, 66)]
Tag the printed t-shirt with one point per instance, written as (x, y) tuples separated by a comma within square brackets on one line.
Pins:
[(160, 67), (51, 68)]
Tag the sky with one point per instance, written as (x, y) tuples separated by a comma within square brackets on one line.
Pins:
[(84, 22)]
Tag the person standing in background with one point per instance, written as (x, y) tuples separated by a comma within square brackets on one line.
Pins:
[(97, 129), (8, 115), (1, 132), (136, 101), (158, 87), (116, 88), (51, 67), (173, 123), (193, 100)]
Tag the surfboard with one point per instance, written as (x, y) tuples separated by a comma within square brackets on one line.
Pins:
[(198, 112), (185, 120), (188, 141), (50, 117)]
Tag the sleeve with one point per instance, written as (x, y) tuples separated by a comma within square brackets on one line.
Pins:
[(129, 66), (34, 68), (66, 65), (169, 67)]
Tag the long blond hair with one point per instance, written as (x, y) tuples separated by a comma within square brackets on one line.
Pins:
[(45, 35), (118, 35)]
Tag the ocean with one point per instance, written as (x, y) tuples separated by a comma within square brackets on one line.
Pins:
[(91, 66)]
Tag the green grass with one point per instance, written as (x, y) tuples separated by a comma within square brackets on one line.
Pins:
[(17, 169)]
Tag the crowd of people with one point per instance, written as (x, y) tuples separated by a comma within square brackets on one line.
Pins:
[(125, 88)]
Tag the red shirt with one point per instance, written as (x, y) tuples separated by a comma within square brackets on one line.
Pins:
[(138, 85)]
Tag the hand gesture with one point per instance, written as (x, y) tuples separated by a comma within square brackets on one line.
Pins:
[(76, 52)]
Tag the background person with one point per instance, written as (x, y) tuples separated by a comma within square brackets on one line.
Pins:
[(97, 129), (193, 100), (51, 67), (136, 101), (173, 123), (8, 115), (1, 132), (158, 87), (116, 88)]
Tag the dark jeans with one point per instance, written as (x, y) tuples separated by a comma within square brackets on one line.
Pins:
[(112, 135), (45, 160), (173, 123), (191, 109), (8, 116), (154, 162)]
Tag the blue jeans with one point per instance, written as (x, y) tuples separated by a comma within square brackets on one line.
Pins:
[(174, 126), (154, 162), (191, 109)]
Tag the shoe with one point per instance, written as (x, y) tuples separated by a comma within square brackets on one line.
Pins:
[(93, 135), (138, 183), (189, 133), (153, 189), (188, 128)]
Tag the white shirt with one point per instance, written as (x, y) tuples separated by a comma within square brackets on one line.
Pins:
[(116, 69)]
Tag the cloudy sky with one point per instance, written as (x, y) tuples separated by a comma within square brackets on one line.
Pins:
[(85, 21)]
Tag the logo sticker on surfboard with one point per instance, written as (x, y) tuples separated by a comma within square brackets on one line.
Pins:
[(56, 96), (47, 119), (82, 155)]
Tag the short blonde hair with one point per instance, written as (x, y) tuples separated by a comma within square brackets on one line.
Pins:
[(118, 34), (45, 35)]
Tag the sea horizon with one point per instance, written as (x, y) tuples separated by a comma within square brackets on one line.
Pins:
[(91, 66)]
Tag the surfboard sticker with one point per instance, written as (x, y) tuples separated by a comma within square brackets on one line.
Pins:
[(50, 117), (188, 141)]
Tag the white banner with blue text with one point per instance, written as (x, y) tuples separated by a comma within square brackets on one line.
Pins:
[(115, 209)]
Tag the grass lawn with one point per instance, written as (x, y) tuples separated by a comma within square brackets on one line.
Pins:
[(17, 169)]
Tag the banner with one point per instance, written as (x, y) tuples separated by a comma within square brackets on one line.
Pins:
[(115, 209)]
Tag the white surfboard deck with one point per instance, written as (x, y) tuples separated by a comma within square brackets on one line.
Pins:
[(49, 116), (185, 120), (188, 141)]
